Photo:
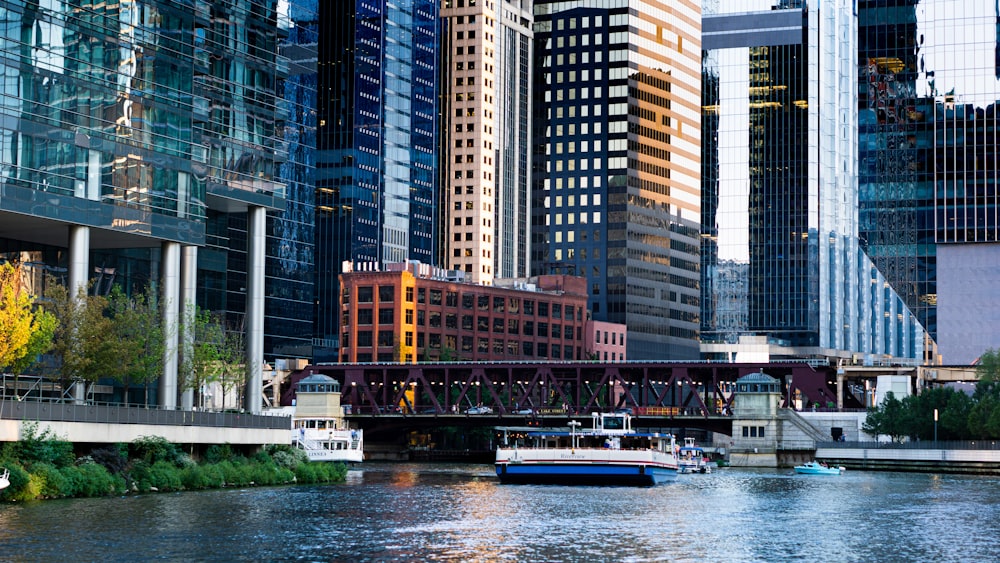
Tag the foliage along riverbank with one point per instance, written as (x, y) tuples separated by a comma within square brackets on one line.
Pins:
[(45, 467)]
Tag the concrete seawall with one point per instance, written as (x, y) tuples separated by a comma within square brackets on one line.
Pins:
[(930, 460)]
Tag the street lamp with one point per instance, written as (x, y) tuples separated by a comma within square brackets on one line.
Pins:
[(935, 426)]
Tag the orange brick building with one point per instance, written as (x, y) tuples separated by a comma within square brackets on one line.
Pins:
[(413, 312)]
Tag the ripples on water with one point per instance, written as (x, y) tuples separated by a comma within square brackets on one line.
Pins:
[(409, 512)]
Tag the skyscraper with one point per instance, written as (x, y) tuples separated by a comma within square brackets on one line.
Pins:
[(782, 271), (928, 72), (376, 182), (485, 138), (616, 153)]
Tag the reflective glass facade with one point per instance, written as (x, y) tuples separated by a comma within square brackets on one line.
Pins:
[(780, 252), (928, 92), (155, 121), (376, 185), (616, 152), (97, 113)]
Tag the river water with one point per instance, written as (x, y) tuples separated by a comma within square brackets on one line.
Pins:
[(437, 512)]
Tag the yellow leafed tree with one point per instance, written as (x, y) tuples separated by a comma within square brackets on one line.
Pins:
[(23, 328)]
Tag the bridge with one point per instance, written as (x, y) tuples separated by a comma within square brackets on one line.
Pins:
[(391, 398)]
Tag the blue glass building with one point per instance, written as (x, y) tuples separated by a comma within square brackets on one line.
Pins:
[(376, 181), (783, 274)]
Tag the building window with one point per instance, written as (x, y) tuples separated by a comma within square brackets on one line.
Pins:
[(529, 307), (451, 299), (483, 324), (467, 322), (386, 293), (420, 317), (484, 303), (498, 303), (467, 300), (543, 329), (435, 320), (543, 350), (364, 339), (597, 337), (483, 346), (451, 321), (529, 328), (385, 337), (528, 348), (364, 316), (365, 294), (467, 344), (409, 295), (435, 297), (420, 295), (385, 316), (409, 316), (409, 338), (543, 309), (568, 332), (556, 311)]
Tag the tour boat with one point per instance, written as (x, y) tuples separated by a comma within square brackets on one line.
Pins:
[(328, 439), (815, 468), (691, 458), (609, 453)]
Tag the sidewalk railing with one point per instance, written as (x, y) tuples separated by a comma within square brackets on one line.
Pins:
[(61, 411)]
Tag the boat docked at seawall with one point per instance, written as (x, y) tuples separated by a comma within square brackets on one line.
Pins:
[(691, 458), (319, 426), (816, 468), (611, 452)]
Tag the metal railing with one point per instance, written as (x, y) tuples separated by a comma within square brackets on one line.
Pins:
[(915, 445), (54, 410)]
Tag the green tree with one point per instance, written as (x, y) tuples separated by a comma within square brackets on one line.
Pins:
[(887, 418), (204, 365), (137, 338), (80, 341), (232, 358), (25, 329)]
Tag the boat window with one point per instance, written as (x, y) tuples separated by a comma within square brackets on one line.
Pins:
[(614, 423)]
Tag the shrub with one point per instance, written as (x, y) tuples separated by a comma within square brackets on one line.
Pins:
[(306, 473), (97, 482), (198, 477), (152, 449), (53, 483), (165, 476), (218, 454), (114, 458), (43, 447), (23, 486), (290, 458)]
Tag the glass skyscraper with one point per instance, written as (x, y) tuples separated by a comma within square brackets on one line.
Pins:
[(134, 133), (616, 159), (376, 179), (928, 75), (782, 271)]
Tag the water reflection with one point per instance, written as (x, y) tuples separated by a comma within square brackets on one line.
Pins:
[(460, 513)]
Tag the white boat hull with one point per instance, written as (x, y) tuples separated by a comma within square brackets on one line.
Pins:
[(585, 466)]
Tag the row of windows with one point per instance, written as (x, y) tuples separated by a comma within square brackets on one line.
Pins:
[(469, 345), (433, 319), (512, 305)]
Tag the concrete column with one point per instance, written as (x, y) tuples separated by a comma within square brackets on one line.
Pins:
[(256, 222), (79, 274), (189, 280), (840, 389), (169, 301)]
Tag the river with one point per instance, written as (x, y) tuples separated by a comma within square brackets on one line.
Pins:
[(445, 512)]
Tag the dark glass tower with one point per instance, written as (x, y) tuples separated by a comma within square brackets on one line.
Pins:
[(376, 185), (929, 92), (615, 163)]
